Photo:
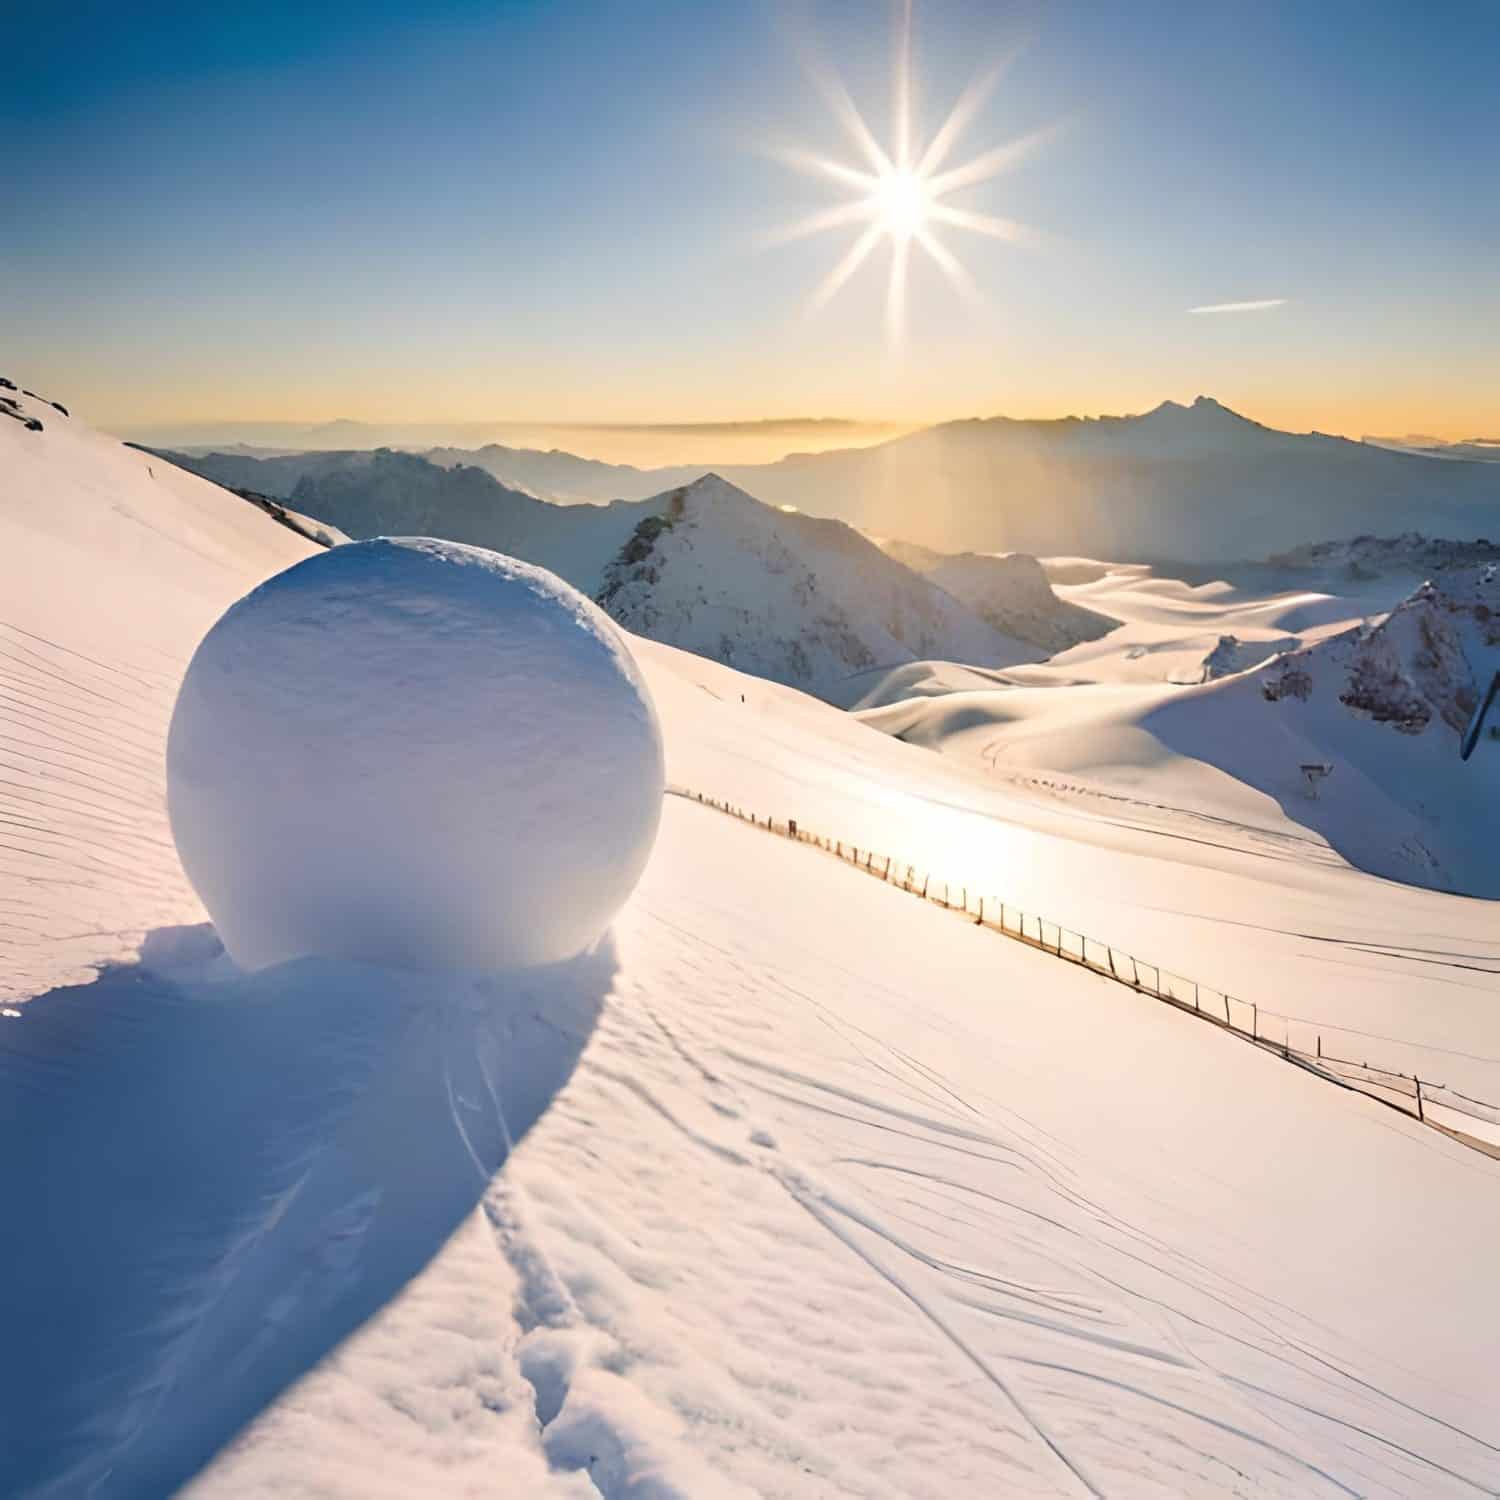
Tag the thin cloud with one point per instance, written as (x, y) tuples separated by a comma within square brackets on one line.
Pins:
[(1263, 305)]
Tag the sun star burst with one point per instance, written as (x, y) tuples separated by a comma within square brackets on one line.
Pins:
[(902, 192)]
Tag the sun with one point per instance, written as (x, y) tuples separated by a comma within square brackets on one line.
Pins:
[(901, 191), (901, 203)]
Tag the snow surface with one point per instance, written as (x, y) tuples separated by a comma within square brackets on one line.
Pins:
[(794, 1187), (415, 753), (113, 564)]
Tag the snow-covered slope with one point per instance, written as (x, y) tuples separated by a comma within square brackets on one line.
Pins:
[(917, 679), (1384, 706), (1380, 700), (1008, 589), (788, 597), (796, 1187), (112, 565)]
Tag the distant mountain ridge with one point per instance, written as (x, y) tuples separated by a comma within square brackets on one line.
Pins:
[(1194, 482), (1189, 483)]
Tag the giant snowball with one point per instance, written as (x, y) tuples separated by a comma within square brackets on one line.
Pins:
[(413, 753)]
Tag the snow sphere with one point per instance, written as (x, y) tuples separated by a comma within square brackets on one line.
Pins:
[(413, 753)]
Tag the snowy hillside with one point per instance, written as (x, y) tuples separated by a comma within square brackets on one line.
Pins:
[(795, 1187), (798, 600), (1152, 717), (1385, 706), (1008, 589), (112, 564)]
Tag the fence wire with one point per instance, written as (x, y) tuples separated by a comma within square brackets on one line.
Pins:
[(1434, 1104)]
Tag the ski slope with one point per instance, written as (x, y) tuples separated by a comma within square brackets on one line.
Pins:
[(794, 1187)]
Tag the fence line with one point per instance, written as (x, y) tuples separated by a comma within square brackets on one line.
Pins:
[(1433, 1104)]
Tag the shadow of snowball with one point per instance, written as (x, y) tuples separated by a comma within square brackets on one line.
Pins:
[(226, 1174)]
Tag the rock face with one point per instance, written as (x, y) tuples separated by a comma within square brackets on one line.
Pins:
[(415, 754), (1426, 663), (1231, 655), (798, 600)]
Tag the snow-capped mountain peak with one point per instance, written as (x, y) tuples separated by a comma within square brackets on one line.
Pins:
[(799, 600)]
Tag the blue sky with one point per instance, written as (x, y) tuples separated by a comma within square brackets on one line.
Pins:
[(553, 211)]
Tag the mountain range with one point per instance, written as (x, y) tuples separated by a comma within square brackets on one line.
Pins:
[(704, 566), (1191, 483)]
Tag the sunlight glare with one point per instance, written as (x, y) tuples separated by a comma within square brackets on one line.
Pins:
[(903, 204), (900, 191)]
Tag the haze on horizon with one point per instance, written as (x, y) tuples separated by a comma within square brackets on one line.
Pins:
[(550, 217)]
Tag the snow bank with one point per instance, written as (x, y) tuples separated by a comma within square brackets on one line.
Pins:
[(413, 753)]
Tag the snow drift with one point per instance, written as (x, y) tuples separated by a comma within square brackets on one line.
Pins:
[(413, 753)]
